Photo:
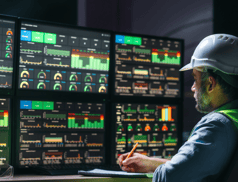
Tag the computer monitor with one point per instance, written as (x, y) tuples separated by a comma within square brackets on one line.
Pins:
[(153, 126), (5, 132), (147, 66), (62, 58), (7, 55), (59, 133)]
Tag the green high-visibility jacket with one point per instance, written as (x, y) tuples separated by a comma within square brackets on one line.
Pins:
[(232, 114)]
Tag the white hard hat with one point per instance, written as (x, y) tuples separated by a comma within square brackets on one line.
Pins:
[(217, 52)]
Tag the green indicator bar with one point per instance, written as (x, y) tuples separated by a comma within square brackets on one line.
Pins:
[(37, 105), (98, 64), (147, 110), (170, 140), (5, 121), (128, 40), (73, 58), (94, 65), (69, 123), (108, 64), (142, 51), (48, 105), (50, 38), (80, 63), (73, 122), (53, 138), (86, 123), (91, 64), (76, 125), (37, 37), (140, 137), (136, 41), (30, 50), (58, 52), (1, 123), (99, 125), (123, 139), (76, 62), (61, 116), (9, 69), (124, 50), (130, 110), (166, 60)]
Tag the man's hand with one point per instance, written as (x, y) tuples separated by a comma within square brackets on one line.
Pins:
[(139, 163)]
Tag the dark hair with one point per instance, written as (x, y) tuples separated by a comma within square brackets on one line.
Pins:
[(230, 91)]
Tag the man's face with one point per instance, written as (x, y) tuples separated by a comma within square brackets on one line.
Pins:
[(201, 96)]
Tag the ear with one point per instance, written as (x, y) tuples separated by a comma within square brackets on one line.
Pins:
[(212, 84)]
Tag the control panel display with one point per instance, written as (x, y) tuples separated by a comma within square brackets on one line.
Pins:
[(60, 133), (147, 67), (7, 52), (154, 127), (63, 59)]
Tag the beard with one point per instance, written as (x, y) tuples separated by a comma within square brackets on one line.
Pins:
[(203, 100)]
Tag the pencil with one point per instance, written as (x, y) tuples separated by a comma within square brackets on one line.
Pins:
[(132, 151)]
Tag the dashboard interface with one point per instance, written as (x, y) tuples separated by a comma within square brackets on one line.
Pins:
[(5, 141), (7, 52), (154, 127), (59, 133), (147, 67), (63, 59)]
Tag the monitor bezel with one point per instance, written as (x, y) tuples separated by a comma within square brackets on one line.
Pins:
[(154, 99), (56, 94)]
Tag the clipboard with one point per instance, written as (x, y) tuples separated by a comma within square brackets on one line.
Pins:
[(110, 173)]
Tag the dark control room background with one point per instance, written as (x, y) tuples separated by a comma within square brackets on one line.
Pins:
[(191, 21)]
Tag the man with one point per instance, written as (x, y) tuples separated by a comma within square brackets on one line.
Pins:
[(211, 145)]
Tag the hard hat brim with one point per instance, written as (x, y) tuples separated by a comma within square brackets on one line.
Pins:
[(187, 67)]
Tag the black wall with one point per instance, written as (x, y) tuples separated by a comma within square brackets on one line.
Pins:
[(61, 11), (226, 17)]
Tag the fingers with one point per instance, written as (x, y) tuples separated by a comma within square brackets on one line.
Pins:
[(128, 169), (129, 161), (122, 157)]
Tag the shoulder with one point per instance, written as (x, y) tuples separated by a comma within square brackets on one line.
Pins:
[(212, 124), (215, 118)]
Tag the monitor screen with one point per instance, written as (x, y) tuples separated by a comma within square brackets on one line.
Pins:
[(59, 58), (154, 127), (7, 33), (147, 66), (60, 133), (5, 140)]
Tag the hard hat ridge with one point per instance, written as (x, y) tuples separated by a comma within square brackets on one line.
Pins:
[(218, 52)]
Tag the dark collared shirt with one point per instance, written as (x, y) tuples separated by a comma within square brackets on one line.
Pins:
[(206, 153)]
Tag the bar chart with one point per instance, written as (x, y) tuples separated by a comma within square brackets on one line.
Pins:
[(85, 121)]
